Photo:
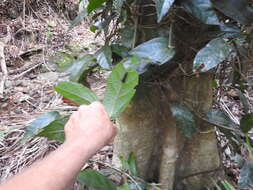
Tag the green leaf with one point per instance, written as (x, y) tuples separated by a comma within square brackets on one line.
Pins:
[(121, 51), (239, 10), (54, 131), (216, 51), (76, 92), (124, 163), (118, 5), (227, 185), (120, 89), (94, 179), (203, 10), (246, 176), (40, 123), (162, 8), (127, 36), (78, 19), (161, 52), (78, 68), (132, 164), (140, 66), (94, 4), (218, 117), (104, 57), (246, 123), (184, 119), (129, 164), (124, 187)]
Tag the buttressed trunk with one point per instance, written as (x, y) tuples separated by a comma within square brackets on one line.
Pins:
[(148, 129)]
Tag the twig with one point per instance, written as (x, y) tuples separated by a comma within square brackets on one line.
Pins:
[(27, 71), (3, 67), (226, 109)]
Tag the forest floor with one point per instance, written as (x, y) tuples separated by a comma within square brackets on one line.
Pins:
[(33, 40)]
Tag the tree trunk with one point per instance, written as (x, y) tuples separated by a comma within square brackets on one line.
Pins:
[(163, 153), (147, 128)]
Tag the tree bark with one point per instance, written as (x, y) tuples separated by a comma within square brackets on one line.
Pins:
[(147, 128)]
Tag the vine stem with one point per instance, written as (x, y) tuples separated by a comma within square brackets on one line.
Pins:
[(136, 21)]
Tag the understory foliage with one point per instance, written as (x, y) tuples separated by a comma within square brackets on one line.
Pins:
[(117, 21)]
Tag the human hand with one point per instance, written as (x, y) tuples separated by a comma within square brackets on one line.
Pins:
[(89, 128)]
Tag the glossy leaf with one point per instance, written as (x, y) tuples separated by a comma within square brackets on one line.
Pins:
[(79, 67), (246, 123), (246, 176), (121, 51), (203, 10), (140, 66), (216, 51), (162, 8), (78, 19), (184, 119), (120, 89), (239, 10), (54, 131), (156, 50), (218, 117), (76, 92), (95, 180), (94, 4), (104, 57), (40, 123)]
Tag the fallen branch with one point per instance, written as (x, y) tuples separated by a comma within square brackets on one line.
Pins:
[(3, 68), (27, 71)]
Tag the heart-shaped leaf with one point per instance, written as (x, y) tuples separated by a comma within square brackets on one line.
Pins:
[(216, 51), (104, 57), (54, 131), (246, 123), (120, 89), (162, 8), (203, 10), (76, 92), (184, 119), (239, 10), (95, 180), (40, 123), (156, 50)]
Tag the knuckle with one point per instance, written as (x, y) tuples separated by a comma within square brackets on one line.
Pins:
[(82, 108)]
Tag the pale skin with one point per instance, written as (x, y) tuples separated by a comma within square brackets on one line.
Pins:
[(88, 130)]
